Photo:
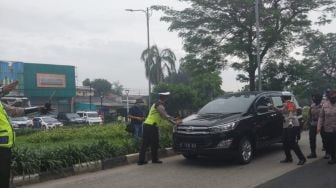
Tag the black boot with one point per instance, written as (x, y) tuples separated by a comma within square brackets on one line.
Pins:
[(302, 162)]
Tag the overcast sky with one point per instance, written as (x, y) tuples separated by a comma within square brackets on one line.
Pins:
[(98, 37)]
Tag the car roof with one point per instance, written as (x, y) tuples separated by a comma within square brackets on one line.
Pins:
[(257, 93)]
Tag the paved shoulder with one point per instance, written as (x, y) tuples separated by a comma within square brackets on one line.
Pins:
[(316, 174)]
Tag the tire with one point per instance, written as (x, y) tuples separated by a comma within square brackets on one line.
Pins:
[(190, 156), (245, 151)]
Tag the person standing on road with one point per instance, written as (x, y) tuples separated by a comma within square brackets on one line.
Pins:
[(156, 115), (313, 116), (327, 120), (7, 135), (137, 116), (291, 130)]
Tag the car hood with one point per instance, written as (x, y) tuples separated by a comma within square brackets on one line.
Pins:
[(208, 120)]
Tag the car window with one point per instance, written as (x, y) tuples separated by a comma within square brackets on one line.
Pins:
[(263, 101), (277, 101), (92, 114), (72, 115), (228, 104)]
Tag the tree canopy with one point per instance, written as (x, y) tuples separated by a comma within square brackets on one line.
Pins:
[(158, 64), (217, 32)]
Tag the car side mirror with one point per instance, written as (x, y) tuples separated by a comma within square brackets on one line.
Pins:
[(262, 109)]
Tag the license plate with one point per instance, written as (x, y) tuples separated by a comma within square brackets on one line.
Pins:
[(189, 145)]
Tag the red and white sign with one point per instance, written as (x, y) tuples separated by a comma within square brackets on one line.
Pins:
[(51, 80)]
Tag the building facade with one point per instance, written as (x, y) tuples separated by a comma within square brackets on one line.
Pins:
[(42, 83)]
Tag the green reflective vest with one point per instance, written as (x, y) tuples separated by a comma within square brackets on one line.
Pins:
[(153, 116), (7, 136)]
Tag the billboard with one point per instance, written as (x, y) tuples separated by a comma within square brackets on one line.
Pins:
[(50, 80)]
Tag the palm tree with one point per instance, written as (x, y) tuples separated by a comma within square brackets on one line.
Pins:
[(158, 64)]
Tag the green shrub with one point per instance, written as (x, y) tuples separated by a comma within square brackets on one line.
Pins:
[(53, 150)]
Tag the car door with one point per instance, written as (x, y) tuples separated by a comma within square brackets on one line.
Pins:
[(263, 121)]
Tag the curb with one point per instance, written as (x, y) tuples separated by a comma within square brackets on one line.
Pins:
[(82, 168)]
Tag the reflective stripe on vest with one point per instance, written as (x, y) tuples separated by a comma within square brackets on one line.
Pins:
[(153, 116), (7, 136)]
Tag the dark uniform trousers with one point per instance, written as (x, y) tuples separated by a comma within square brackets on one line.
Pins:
[(150, 138), (5, 163), (312, 138), (289, 137), (331, 144), (324, 139)]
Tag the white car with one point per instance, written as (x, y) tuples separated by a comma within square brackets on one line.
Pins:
[(21, 122), (90, 117), (46, 122)]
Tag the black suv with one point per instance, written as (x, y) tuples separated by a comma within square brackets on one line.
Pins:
[(70, 118), (237, 123)]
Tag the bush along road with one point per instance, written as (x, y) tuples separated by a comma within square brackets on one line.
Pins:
[(43, 155)]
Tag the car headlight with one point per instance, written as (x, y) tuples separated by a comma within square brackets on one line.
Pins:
[(223, 127)]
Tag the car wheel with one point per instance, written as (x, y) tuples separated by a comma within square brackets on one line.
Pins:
[(190, 156), (245, 152)]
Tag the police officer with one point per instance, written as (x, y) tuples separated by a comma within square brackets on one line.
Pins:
[(313, 116), (291, 130), (157, 113), (7, 135), (327, 120)]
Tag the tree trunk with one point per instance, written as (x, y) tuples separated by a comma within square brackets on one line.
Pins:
[(252, 81)]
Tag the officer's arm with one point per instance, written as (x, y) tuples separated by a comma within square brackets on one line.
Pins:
[(309, 116), (321, 120), (17, 111), (164, 114), (13, 111)]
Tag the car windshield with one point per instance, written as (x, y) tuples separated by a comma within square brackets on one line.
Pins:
[(49, 119), (228, 104), (92, 114), (72, 116), (20, 119)]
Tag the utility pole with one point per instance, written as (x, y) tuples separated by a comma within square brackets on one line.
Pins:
[(146, 11), (258, 43)]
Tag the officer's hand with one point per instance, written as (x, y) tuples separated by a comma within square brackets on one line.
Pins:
[(178, 122), (8, 88), (318, 130)]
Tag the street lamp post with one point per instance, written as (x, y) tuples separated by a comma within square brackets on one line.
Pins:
[(101, 103), (127, 107), (90, 95), (148, 47), (258, 43)]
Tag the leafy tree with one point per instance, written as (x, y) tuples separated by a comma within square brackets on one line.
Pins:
[(214, 31), (158, 63), (182, 98), (101, 86), (86, 82), (117, 88)]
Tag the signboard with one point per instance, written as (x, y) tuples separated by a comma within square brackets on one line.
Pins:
[(50, 80)]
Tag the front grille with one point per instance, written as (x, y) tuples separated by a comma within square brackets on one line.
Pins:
[(192, 130)]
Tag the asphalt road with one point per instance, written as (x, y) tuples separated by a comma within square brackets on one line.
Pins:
[(200, 173)]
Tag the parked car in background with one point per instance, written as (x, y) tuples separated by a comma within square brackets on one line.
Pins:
[(46, 122), (70, 118), (235, 124), (90, 117), (21, 122)]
